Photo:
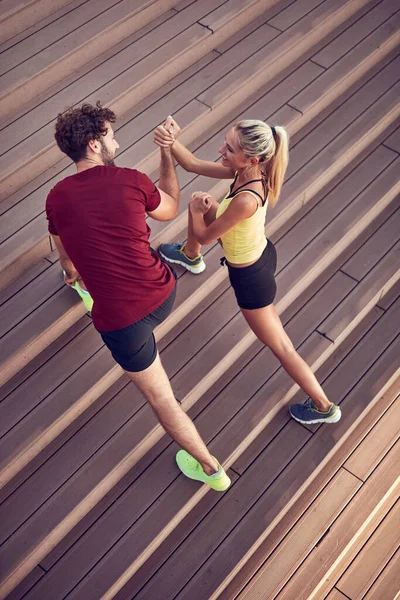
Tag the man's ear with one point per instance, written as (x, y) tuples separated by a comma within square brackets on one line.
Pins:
[(94, 146)]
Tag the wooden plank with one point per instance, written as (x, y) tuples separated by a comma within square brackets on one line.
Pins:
[(356, 33), (18, 16), (50, 34), (162, 44), (41, 426), (37, 113), (229, 510), (206, 504), (368, 256), (20, 402), (393, 141), (122, 516), (226, 438), (388, 583), (276, 55), (367, 294), (374, 556), (345, 227), (23, 281), (349, 68), (315, 522), (227, 557), (201, 331), (334, 594), (22, 305), (313, 154), (19, 592), (347, 534), (339, 285), (47, 453), (30, 337), (297, 510), (385, 433), (102, 31), (327, 210), (32, 29), (43, 357), (390, 297), (293, 13)]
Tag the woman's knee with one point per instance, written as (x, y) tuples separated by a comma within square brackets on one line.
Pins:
[(283, 348)]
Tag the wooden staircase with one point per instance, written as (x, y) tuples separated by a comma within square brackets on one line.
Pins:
[(92, 504)]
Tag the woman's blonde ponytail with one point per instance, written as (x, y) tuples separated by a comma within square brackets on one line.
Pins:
[(275, 168), (271, 145)]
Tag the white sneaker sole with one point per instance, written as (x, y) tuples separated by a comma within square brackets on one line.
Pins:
[(195, 270)]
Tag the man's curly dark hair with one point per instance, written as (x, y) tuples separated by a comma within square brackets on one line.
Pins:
[(76, 127)]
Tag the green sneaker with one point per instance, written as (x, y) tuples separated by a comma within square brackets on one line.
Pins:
[(190, 467), (308, 413), (84, 295), (174, 253)]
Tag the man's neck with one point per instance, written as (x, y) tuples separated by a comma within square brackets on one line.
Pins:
[(88, 163)]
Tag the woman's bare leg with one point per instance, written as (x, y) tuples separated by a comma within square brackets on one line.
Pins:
[(267, 326)]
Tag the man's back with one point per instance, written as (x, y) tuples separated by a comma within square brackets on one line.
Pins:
[(100, 216)]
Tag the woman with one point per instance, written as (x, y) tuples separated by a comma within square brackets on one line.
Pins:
[(256, 156)]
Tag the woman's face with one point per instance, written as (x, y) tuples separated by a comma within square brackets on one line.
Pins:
[(232, 154)]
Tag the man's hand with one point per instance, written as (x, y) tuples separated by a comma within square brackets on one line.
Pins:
[(166, 134), (70, 277), (200, 203)]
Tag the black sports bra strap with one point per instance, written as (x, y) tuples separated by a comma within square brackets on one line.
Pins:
[(251, 191), (244, 185)]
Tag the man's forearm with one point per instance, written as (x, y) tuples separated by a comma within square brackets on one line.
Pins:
[(168, 182)]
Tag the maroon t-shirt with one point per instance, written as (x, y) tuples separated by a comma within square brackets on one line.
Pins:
[(99, 214)]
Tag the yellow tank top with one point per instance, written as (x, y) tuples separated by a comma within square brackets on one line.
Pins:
[(246, 241)]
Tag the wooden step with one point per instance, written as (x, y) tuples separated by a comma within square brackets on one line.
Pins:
[(388, 582), (44, 324), (19, 15), (32, 208), (251, 494), (187, 391), (78, 38), (309, 532), (182, 40), (43, 332), (348, 534), (269, 553), (319, 253)]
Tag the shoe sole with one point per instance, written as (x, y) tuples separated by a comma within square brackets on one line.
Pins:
[(194, 270), (333, 419)]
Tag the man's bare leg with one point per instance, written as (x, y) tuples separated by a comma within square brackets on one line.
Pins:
[(154, 384)]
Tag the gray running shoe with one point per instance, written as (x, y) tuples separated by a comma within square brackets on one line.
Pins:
[(174, 253), (309, 413)]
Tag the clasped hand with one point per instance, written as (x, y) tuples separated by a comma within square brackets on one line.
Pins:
[(200, 203), (166, 134)]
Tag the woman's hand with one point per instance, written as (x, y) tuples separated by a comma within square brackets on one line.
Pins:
[(166, 134), (200, 203)]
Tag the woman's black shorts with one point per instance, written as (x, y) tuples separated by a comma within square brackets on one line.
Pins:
[(255, 286)]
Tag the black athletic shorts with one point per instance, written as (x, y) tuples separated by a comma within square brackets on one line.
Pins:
[(255, 286), (134, 347)]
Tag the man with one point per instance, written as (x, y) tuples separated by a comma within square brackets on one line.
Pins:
[(97, 219)]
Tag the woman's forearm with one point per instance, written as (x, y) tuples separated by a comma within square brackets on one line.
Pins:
[(183, 156)]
